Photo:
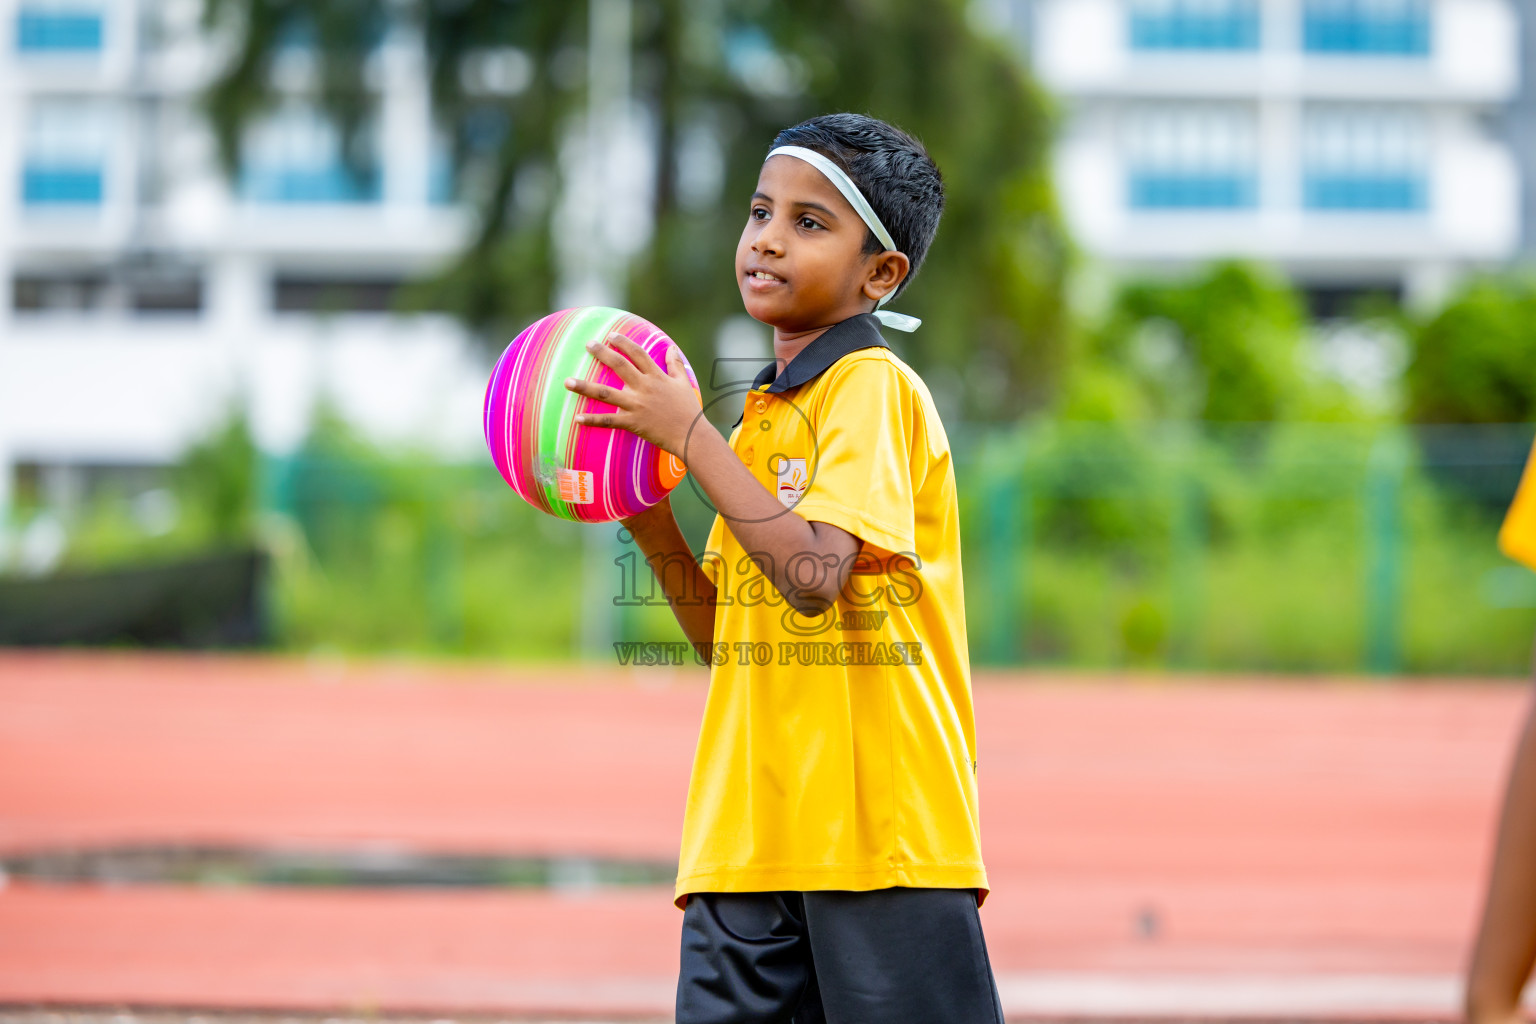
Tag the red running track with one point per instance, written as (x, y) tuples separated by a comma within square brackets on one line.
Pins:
[(1262, 828)]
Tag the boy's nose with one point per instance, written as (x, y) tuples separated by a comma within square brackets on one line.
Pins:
[(769, 239)]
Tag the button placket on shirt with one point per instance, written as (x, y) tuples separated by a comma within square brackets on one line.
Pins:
[(760, 406)]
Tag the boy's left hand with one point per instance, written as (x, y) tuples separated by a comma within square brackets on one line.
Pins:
[(660, 406)]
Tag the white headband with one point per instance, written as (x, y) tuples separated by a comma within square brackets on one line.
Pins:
[(850, 191)]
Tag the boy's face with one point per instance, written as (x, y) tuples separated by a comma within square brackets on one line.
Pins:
[(800, 263)]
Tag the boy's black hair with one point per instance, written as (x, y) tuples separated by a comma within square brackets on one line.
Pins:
[(892, 169)]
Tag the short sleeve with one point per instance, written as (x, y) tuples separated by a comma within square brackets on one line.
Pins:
[(861, 476), (709, 560), (1518, 537)]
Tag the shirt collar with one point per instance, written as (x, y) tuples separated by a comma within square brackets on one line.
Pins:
[(861, 331)]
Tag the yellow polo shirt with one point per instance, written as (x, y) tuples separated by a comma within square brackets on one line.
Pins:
[(839, 752), (1518, 537)]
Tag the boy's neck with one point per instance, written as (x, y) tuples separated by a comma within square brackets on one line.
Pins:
[(788, 344)]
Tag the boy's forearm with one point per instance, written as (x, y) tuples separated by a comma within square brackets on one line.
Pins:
[(689, 591), (807, 565), (1506, 942)]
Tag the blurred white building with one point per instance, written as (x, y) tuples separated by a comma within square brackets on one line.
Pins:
[(1362, 145), (141, 292)]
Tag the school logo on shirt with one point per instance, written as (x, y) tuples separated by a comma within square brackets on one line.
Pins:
[(792, 480)]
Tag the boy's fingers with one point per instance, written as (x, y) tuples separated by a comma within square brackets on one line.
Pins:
[(591, 389), (615, 362), (597, 419), (637, 355), (677, 369), (675, 364), (610, 357)]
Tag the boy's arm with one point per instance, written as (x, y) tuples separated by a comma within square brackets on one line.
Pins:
[(1506, 941), (690, 594), (807, 562)]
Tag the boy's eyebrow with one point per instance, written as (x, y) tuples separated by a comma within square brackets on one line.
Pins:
[(805, 203), (818, 206)]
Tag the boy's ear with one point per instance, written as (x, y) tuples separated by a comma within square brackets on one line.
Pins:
[(886, 272)]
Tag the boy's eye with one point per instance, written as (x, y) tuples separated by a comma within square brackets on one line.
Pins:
[(759, 213), (808, 224)]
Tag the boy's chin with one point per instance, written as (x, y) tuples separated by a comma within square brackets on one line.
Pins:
[(777, 312), (770, 313)]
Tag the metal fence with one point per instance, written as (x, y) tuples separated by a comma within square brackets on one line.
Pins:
[(1178, 498), (1294, 547)]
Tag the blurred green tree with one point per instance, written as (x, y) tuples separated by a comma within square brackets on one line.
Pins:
[(1222, 347), (1475, 360), (719, 78), (336, 488), (219, 476)]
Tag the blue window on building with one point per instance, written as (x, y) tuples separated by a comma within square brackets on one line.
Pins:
[(50, 186), (295, 157), (1383, 27), (1192, 191), (64, 151), (58, 30), (1194, 25), (1404, 192), (442, 183), (441, 188), (1194, 156), (1364, 158), (331, 184)]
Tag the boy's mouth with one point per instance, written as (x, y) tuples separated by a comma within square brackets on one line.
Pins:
[(762, 280)]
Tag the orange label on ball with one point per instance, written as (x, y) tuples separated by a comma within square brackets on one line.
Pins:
[(575, 486), (671, 470)]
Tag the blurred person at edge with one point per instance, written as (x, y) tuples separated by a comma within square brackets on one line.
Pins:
[(1506, 939)]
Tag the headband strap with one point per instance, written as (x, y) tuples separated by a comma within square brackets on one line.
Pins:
[(850, 191)]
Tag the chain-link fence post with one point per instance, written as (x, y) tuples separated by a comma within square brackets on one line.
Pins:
[(1190, 538), (1006, 528), (1386, 470)]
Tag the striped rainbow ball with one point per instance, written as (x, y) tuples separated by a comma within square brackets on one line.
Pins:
[(583, 473)]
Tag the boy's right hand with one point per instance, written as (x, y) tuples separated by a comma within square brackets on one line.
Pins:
[(658, 404)]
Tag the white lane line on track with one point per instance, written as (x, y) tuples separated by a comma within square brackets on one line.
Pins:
[(1073, 994)]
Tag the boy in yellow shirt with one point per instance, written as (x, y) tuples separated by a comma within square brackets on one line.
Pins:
[(831, 859), (1506, 941)]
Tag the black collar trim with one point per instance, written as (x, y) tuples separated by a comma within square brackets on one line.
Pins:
[(857, 332)]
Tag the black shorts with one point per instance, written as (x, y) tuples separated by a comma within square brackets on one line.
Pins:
[(886, 956)]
